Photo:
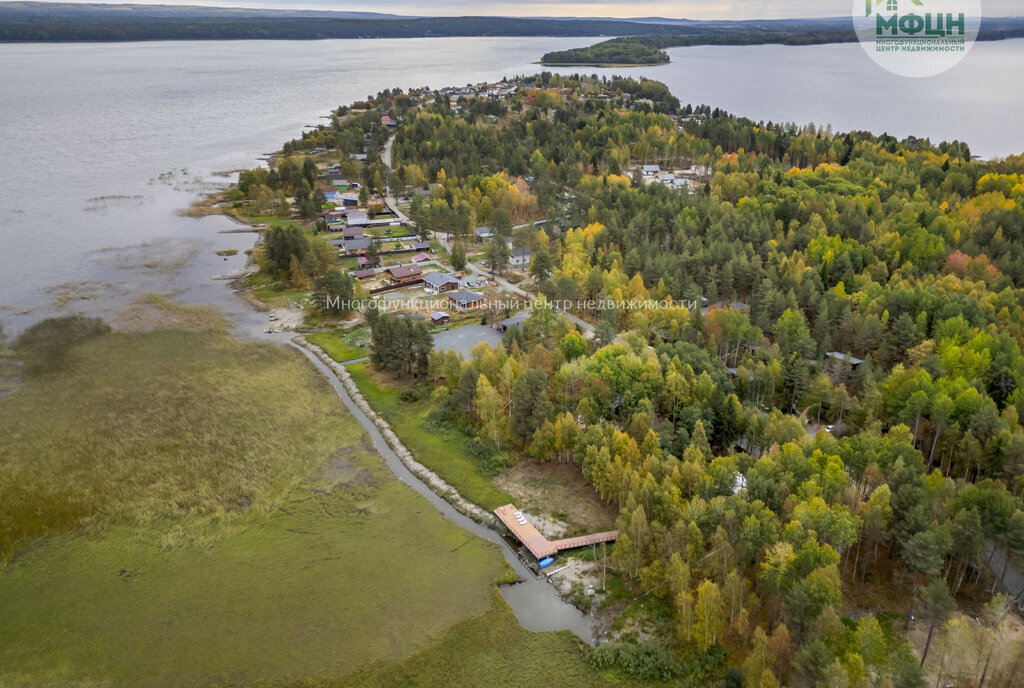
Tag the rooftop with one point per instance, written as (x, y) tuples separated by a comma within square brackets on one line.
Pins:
[(405, 271), (465, 296), (439, 279)]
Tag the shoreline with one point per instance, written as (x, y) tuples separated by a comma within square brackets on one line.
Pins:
[(443, 490), (429, 479)]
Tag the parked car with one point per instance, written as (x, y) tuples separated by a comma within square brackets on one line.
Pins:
[(830, 428)]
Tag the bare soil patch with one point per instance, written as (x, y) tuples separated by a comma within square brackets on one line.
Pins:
[(559, 491)]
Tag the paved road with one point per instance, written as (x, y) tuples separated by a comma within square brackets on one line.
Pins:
[(390, 201), (587, 328)]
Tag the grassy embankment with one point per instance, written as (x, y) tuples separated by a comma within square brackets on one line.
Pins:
[(439, 450), (181, 508), (342, 346)]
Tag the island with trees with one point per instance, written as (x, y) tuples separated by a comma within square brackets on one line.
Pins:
[(614, 53)]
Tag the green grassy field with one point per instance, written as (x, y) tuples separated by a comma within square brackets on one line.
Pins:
[(339, 345), (440, 451), (263, 290), (182, 508), (325, 584)]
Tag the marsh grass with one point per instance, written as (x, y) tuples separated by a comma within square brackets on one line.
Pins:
[(501, 653), (142, 427), (329, 582), (178, 507)]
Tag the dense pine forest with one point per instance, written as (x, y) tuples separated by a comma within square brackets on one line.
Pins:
[(850, 280), (613, 52)]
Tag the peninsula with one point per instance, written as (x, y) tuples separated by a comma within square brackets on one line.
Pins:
[(748, 393)]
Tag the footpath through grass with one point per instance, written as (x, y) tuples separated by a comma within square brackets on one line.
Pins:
[(439, 450)]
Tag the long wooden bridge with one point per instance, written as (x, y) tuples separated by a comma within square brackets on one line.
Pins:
[(540, 546)]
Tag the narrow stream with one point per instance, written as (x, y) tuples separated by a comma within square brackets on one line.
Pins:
[(535, 602)]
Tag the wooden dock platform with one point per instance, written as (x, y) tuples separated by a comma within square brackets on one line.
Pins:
[(539, 545)]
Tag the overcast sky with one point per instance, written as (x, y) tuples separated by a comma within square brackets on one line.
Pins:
[(689, 9)]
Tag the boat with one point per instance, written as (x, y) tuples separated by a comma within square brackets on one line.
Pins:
[(546, 561)]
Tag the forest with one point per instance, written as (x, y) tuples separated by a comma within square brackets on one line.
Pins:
[(615, 52), (649, 48), (851, 279)]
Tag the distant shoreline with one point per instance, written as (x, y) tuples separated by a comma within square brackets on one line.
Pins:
[(43, 22)]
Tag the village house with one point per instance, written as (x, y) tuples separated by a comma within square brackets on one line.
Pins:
[(846, 359), (355, 247), (356, 218), (465, 300), (438, 282), (838, 365), (483, 234), (352, 233), (518, 257), (404, 274), (650, 169), (420, 258), (515, 320), (363, 275), (439, 318)]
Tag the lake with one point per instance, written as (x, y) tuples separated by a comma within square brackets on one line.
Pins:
[(104, 142)]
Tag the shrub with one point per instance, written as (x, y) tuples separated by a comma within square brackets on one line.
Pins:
[(647, 661), (411, 394), (47, 345), (491, 460)]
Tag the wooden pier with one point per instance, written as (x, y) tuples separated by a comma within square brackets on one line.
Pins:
[(539, 545)]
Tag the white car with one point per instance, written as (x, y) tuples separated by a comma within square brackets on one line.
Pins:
[(830, 428)]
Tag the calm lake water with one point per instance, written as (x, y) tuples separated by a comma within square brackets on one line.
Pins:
[(103, 142)]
